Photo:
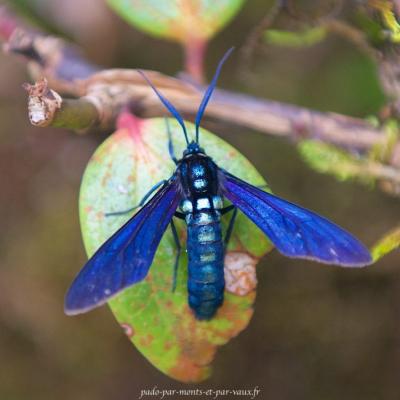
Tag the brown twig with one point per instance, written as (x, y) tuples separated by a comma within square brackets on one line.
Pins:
[(250, 45), (70, 75), (50, 57), (47, 108), (351, 34), (109, 91), (100, 95)]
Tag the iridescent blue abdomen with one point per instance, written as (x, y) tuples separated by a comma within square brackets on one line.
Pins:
[(201, 206), (206, 264)]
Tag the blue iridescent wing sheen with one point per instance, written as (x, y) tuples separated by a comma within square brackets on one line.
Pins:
[(295, 231), (125, 258)]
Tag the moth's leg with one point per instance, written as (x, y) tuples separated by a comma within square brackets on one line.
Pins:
[(227, 209), (179, 215), (229, 230), (142, 202), (170, 143), (178, 254)]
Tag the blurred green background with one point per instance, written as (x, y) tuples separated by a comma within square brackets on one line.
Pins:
[(318, 332)]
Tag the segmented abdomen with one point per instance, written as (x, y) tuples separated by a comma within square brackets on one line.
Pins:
[(206, 264)]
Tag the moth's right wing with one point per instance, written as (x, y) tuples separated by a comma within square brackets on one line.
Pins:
[(294, 230)]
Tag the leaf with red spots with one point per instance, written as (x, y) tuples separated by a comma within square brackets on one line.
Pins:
[(179, 20), (157, 320)]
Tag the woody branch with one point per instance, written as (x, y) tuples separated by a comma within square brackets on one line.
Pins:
[(72, 93)]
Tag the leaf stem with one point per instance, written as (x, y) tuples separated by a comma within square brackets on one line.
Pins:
[(194, 58)]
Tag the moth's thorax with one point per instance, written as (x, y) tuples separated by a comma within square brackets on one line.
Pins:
[(198, 176)]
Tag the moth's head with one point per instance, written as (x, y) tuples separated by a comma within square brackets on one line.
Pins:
[(193, 148)]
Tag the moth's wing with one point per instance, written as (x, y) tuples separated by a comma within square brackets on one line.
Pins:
[(125, 258), (295, 231)]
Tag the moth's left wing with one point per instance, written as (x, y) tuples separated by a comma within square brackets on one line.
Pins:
[(295, 231), (125, 258)]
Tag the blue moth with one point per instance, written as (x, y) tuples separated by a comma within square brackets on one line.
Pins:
[(195, 193)]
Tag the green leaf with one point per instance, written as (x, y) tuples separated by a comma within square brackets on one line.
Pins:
[(382, 152), (388, 243), (389, 20), (157, 321), (306, 38), (369, 26), (328, 159), (179, 20)]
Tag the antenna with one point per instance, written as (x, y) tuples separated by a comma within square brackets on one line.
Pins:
[(167, 105), (209, 92)]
